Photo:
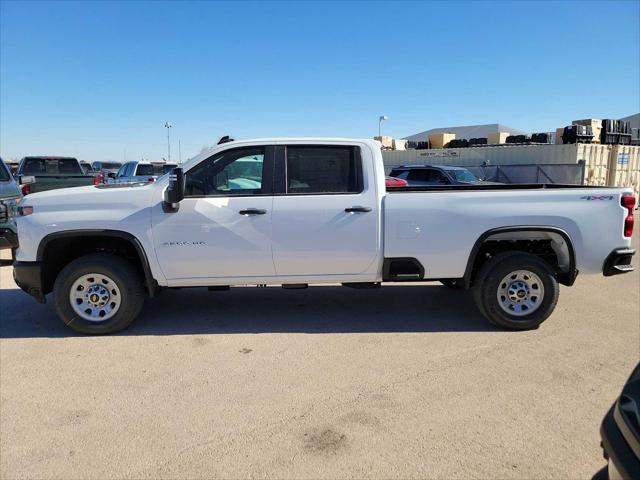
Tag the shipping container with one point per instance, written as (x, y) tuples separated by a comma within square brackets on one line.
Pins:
[(615, 165), (624, 167)]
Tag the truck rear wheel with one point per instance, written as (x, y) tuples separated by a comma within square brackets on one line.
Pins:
[(98, 294), (516, 290)]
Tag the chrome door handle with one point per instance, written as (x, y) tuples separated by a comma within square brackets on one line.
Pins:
[(357, 209), (252, 211)]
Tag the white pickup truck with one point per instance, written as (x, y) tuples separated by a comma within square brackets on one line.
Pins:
[(294, 212)]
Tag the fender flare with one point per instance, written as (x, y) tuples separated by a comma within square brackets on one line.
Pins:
[(152, 284), (567, 278)]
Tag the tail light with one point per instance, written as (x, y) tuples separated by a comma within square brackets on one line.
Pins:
[(98, 179), (628, 202), (26, 189), (151, 180)]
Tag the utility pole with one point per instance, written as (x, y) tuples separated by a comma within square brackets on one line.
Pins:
[(168, 125), (380, 120)]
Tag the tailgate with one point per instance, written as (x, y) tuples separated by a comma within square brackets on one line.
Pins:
[(53, 182)]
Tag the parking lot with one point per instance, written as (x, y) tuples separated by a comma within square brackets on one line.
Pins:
[(404, 382)]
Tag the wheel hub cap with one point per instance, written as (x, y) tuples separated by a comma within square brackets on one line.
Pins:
[(95, 297), (520, 293)]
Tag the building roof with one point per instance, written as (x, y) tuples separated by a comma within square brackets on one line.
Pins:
[(634, 120), (471, 131)]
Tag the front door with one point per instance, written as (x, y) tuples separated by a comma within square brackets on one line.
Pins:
[(223, 226), (326, 215)]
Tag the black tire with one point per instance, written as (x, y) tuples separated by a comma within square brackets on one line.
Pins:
[(488, 281), (452, 283), (121, 272)]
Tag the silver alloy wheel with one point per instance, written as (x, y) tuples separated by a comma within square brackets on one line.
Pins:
[(520, 293), (95, 297)]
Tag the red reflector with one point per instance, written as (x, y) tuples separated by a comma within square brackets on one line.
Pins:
[(628, 202), (151, 180), (26, 189), (96, 180)]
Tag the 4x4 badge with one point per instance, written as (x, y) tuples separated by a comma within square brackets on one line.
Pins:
[(597, 197)]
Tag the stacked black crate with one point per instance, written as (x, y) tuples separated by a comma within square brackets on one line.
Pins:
[(517, 139), (616, 132), (577, 134), (540, 138)]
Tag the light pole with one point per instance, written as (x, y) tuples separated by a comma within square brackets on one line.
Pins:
[(168, 126), (380, 120)]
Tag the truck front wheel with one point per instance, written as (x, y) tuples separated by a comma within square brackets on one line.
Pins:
[(98, 294), (516, 290)]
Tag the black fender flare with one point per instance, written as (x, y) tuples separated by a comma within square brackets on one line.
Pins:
[(152, 284), (567, 278)]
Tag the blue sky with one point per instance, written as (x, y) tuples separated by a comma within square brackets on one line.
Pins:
[(95, 79)]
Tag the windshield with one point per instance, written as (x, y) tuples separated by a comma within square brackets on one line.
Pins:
[(463, 175), (54, 166), (4, 172), (154, 169)]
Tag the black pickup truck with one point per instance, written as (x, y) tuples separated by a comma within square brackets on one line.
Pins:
[(53, 172)]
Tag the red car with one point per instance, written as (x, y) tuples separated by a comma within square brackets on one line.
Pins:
[(395, 182)]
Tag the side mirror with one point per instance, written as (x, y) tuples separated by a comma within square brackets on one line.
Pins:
[(174, 193), (26, 179)]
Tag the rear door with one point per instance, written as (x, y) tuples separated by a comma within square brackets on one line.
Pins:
[(325, 212)]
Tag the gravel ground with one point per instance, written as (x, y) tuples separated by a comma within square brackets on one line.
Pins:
[(403, 382)]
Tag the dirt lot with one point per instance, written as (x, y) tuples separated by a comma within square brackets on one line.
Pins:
[(403, 382)]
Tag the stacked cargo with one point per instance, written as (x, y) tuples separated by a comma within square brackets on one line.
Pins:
[(540, 138), (439, 140), (595, 124), (458, 143), (399, 144), (497, 138), (387, 142), (517, 139), (577, 134), (478, 141), (615, 132), (559, 133)]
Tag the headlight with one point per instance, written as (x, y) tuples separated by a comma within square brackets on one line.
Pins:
[(8, 208)]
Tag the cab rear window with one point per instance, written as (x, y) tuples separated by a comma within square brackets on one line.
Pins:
[(154, 170), (53, 166)]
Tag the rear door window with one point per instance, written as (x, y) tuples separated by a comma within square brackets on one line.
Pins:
[(323, 170), (418, 175)]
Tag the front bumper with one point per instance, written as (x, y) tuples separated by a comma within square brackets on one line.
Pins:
[(28, 276), (8, 238), (618, 261), (622, 458)]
